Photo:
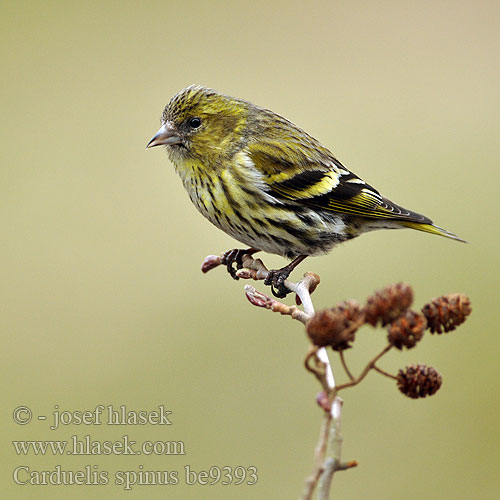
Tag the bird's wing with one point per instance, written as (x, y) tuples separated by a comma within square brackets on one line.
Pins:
[(312, 176)]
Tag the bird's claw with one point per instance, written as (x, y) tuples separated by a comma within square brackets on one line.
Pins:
[(276, 278), (233, 260)]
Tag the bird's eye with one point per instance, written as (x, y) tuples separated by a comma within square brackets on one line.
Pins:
[(194, 122)]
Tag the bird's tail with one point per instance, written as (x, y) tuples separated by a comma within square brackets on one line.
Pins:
[(431, 228)]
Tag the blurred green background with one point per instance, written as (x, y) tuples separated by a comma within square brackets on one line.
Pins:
[(101, 295)]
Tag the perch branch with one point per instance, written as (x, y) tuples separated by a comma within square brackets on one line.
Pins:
[(328, 448)]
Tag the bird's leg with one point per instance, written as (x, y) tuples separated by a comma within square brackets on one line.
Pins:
[(235, 256), (276, 278)]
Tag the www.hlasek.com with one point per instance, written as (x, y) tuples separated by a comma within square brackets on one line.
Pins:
[(88, 446), (91, 475)]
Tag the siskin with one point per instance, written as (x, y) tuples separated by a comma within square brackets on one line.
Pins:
[(269, 184)]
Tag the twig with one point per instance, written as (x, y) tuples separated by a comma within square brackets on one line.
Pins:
[(367, 368), (383, 372), (319, 456), (318, 369), (260, 299), (344, 365)]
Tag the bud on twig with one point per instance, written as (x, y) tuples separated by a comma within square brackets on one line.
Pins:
[(323, 401), (447, 312), (419, 381), (210, 262), (407, 330), (388, 304)]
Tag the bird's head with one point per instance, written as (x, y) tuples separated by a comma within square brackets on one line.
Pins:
[(202, 124)]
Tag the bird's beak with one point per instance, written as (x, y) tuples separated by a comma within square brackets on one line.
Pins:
[(167, 135)]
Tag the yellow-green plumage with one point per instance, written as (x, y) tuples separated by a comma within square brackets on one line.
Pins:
[(266, 182)]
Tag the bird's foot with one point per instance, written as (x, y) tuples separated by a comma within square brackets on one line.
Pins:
[(233, 259), (276, 278)]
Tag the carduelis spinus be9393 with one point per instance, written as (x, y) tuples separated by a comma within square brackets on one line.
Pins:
[(269, 184)]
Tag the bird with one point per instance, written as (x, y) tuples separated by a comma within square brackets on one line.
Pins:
[(269, 184)]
